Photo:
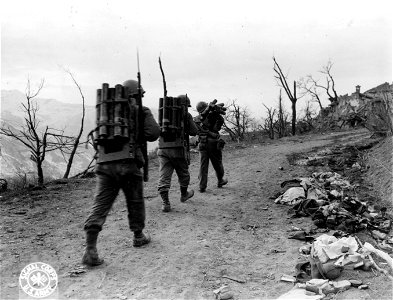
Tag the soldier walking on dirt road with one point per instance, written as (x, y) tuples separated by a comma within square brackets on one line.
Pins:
[(210, 122), (119, 161), (173, 153)]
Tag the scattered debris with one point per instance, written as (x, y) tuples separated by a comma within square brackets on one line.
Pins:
[(226, 295), (288, 278), (330, 201), (370, 248), (77, 271), (234, 279), (223, 293), (363, 287), (301, 235), (273, 251), (384, 246), (306, 249), (303, 271), (341, 285), (292, 196), (299, 293), (355, 282), (294, 228), (329, 256), (343, 250), (378, 235), (333, 204), (319, 288)]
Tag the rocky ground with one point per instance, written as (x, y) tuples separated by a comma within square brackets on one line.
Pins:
[(236, 235)]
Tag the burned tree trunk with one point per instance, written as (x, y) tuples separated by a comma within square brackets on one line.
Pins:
[(77, 139), (282, 80)]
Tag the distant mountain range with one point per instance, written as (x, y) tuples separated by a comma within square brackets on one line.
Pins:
[(15, 157)]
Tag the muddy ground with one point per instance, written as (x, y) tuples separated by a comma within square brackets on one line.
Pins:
[(237, 231)]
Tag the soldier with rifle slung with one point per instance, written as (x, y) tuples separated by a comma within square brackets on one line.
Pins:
[(210, 145), (173, 146), (123, 127)]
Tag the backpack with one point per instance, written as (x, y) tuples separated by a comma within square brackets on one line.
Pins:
[(172, 119), (117, 124)]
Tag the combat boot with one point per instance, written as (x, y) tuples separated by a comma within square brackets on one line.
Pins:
[(185, 195), (222, 182), (90, 257), (140, 239), (166, 205)]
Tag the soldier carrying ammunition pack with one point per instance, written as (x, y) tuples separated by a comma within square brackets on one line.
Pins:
[(123, 127), (176, 125), (210, 145)]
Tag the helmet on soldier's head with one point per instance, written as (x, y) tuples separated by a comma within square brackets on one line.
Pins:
[(185, 98), (132, 86), (201, 106)]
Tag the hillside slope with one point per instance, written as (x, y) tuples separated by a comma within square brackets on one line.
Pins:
[(15, 157), (380, 173)]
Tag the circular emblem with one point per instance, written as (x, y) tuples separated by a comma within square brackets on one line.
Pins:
[(38, 280)]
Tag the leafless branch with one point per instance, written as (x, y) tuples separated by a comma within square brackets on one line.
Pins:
[(75, 141)]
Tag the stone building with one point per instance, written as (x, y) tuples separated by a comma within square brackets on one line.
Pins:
[(372, 109)]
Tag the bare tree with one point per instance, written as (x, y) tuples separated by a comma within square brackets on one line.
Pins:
[(330, 87), (281, 123), (306, 123), (282, 80), (237, 121), (38, 139), (308, 86), (309, 114), (255, 125), (77, 138), (269, 122), (311, 85)]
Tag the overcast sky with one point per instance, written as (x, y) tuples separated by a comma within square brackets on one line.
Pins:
[(209, 49)]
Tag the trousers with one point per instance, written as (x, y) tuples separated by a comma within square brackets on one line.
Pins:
[(172, 160), (210, 152), (111, 178)]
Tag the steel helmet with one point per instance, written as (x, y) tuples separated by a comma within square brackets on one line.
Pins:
[(132, 86), (201, 106), (185, 98)]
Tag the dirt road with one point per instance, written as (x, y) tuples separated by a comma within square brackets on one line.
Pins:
[(236, 231)]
